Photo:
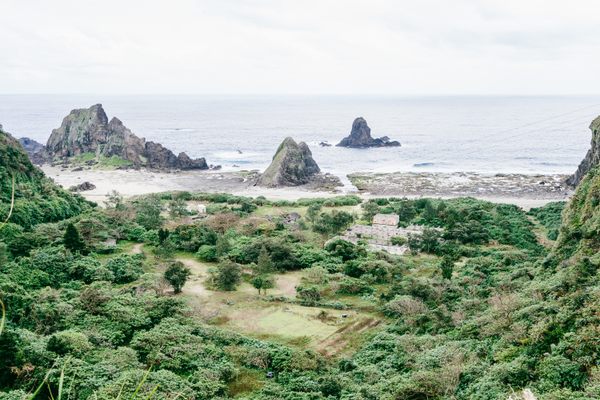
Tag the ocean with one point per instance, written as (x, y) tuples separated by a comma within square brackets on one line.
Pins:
[(487, 134)]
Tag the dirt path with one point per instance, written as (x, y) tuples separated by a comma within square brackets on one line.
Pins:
[(195, 285), (286, 284), (137, 248), (541, 233)]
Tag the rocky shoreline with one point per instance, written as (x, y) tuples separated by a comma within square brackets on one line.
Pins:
[(523, 190), (453, 184)]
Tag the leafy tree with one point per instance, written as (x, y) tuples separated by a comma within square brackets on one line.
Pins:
[(125, 268), (222, 246), (370, 208), (207, 253), (447, 266), (177, 274), (177, 208), (163, 234), (3, 253), (148, 211), (264, 264), (114, 200), (262, 282), (227, 276), (308, 294), (72, 240), (69, 341), (313, 211), (345, 250), (332, 223)]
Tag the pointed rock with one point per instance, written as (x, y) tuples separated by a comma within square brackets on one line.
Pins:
[(360, 137), (292, 165)]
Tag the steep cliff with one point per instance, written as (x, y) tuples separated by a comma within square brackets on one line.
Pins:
[(592, 158)]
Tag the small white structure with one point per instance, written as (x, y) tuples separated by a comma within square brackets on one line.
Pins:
[(194, 208), (386, 219)]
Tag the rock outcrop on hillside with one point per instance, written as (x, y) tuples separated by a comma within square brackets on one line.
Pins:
[(89, 131), (360, 137), (292, 165), (35, 150), (592, 158)]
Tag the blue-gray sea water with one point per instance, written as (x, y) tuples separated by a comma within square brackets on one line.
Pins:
[(474, 133)]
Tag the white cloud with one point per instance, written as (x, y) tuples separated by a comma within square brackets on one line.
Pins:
[(300, 46)]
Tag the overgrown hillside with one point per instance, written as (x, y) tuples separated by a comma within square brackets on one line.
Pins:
[(37, 198), (214, 296), (580, 232)]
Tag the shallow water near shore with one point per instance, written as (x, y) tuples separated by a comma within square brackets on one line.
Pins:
[(483, 134)]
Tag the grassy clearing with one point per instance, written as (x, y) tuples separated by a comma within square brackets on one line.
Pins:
[(244, 311), (246, 381)]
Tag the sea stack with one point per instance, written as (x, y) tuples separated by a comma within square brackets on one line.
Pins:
[(592, 158), (292, 165), (360, 137), (88, 131)]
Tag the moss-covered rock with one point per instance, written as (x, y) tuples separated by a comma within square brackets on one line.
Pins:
[(292, 165), (88, 131)]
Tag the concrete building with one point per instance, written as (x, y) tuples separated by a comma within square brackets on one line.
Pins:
[(386, 219)]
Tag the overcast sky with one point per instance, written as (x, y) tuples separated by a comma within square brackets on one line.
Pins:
[(390, 47)]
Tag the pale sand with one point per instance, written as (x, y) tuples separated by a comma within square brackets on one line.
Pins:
[(131, 183)]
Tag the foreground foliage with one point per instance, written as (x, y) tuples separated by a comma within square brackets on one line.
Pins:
[(479, 308)]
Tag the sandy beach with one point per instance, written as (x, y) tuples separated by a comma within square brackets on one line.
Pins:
[(525, 191), (136, 182)]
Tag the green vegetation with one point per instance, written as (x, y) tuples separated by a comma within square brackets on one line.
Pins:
[(176, 275), (550, 217), (477, 310), (100, 161), (36, 199), (113, 162), (72, 240)]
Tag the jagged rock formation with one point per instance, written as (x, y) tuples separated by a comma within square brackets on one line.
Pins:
[(35, 150), (360, 137), (592, 158), (89, 131), (292, 165)]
